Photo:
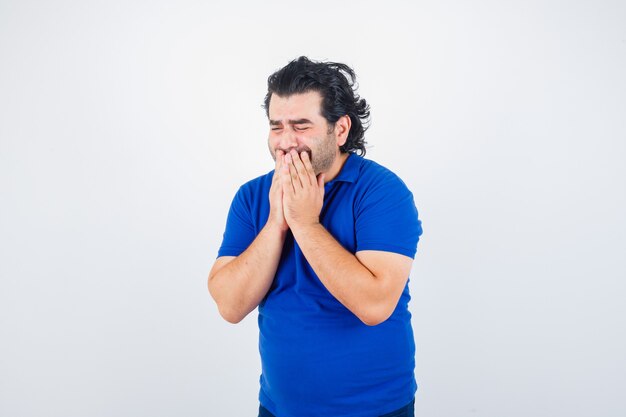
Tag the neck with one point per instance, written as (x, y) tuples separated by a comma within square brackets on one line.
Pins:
[(335, 169)]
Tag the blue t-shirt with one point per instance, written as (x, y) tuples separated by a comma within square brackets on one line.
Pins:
[(318, 358)]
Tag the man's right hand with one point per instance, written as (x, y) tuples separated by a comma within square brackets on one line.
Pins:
[(238, 284), (277, 216)]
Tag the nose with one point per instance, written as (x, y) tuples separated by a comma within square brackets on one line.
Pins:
[(288, 140)]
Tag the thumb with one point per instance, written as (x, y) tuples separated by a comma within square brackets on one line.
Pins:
[(320, 183)]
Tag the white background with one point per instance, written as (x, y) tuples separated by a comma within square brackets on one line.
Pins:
[(127, 127)]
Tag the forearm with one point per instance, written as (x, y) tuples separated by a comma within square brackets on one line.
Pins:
[(345, 277), (239, 286)]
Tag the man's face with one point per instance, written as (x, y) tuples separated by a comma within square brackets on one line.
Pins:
[(296, 123)]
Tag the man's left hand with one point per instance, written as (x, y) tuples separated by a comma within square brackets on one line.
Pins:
[(303, 192)]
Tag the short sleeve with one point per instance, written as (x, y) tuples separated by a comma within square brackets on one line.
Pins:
[(239, 232), (387, 218)]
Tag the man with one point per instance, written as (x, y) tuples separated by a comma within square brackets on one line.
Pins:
[(323, 245)]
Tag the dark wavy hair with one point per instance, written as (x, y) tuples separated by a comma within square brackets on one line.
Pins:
[(336, 83)]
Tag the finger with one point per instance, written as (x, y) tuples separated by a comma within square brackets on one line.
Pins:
[(285, 178), (302, 171), (295, 178), (320, 184), (279, 158), (307, 164)]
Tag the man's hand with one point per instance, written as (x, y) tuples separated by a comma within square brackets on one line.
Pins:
[(277, 216), (303, 192), (239, 283)]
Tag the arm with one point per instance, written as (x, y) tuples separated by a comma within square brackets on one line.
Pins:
[(376, 278), (238, 284)]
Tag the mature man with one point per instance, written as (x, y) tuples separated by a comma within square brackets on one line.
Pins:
[(323, 245)]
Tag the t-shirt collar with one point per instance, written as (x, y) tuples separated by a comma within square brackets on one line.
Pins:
[(350, 170)]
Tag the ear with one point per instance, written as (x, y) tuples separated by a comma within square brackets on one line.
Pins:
[(342, 128)]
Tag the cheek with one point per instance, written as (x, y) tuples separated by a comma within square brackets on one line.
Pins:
[(271, 146), (311, 140)]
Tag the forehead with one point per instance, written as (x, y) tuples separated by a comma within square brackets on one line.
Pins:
[(296, 106)]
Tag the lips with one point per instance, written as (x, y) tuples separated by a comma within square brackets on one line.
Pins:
[(307, 150)]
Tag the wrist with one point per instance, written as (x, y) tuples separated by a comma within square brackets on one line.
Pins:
[(304, 227), (275, 226)]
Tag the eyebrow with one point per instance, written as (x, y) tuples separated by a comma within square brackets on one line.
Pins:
[(291, 122)]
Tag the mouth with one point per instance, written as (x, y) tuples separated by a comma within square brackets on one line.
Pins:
[(309, 153), (307, 150)]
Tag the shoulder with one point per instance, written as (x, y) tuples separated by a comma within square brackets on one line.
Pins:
[(375, 177), (386, 218), (249, 194), (257, 184)]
